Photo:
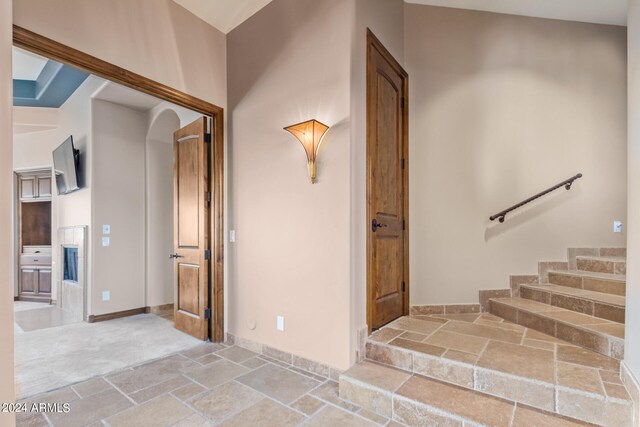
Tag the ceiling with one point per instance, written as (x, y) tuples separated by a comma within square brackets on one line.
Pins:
[(122, 95), (27, 65), (40, 82), (597, 11), (225, 15)]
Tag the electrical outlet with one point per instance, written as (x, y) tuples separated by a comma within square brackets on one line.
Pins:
[(617, 226), (280, 323), (106, 296), (232, 236), (106, 241), (106, 229)]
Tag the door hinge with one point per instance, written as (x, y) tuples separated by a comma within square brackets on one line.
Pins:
[(404, 224), (207, 254), (207, 138), (403, 286), (403, 101), (207, 313), (402, 163), (209, 196)]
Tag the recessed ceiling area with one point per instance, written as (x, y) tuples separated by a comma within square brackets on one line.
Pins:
[(225, 15), (27, 65), (613, 12), (41, 82)]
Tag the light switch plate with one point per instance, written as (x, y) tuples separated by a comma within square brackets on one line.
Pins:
[(106, 296), (232, 236), (280, 323), (106, 241), (617, 226), (106, 229)]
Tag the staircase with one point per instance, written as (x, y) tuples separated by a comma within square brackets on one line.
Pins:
[(549, 355)]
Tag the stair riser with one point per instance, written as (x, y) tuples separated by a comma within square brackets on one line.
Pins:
[(579, 305), (606, 345), (413, 413), (589, 283), (599, 266)]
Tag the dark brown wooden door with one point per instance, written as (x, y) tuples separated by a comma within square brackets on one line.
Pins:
[(387, 214), (191, 229)]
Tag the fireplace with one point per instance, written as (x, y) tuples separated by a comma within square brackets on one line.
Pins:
[(70, 265), (72, 274)]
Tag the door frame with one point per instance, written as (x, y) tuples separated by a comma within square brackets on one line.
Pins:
[(36, 43), (373, 43)]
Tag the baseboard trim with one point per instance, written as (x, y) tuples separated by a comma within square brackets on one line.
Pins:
[(633, 387), (417, 310), (93, 318), (279, 356), (163, 309), (33, 299)]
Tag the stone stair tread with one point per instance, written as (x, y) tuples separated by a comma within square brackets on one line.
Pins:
[(559, 314), (407, 397), (499, 359), (593, 274), (602, 297), (602, 258)]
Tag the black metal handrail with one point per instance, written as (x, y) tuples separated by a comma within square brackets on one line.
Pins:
[(566, 183)]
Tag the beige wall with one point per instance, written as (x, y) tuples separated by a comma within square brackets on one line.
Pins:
[(7, 392), (118, 199), (502, 107), (632, 330), (289, 63), (162, 40), (159, 223)]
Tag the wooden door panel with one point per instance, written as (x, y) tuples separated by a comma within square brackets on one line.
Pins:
[(44, 282), (188, 192), (44, 187), (188, 293), (28, 280), (27, 188), (191, 229), (387, 187)]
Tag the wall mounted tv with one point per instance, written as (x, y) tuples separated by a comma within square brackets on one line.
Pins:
[(66, 164)]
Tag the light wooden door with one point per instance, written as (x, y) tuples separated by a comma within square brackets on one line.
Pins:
[(191, 229), (387, 184)]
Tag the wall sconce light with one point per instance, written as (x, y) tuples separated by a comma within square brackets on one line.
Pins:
[(310, 135)]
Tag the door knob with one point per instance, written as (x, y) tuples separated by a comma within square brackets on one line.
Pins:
[(175, 256), (375, 225)]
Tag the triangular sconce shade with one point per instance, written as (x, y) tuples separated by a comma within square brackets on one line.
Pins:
[(310, 135)]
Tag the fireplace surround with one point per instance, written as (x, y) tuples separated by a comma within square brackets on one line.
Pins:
[(72, 274)]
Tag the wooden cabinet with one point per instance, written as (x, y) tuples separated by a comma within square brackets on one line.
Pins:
[(35, 284), (28, 281), (44, 187), (28, 187), (44, 282), (34, 187)]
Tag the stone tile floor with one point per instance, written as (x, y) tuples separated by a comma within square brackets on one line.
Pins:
[(485, 340), (47, 359), (211, 384)]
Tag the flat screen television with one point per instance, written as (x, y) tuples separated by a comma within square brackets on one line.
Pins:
[(66, 164)]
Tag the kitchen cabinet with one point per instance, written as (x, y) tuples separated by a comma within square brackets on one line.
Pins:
[(34, 187), (35, 284)]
